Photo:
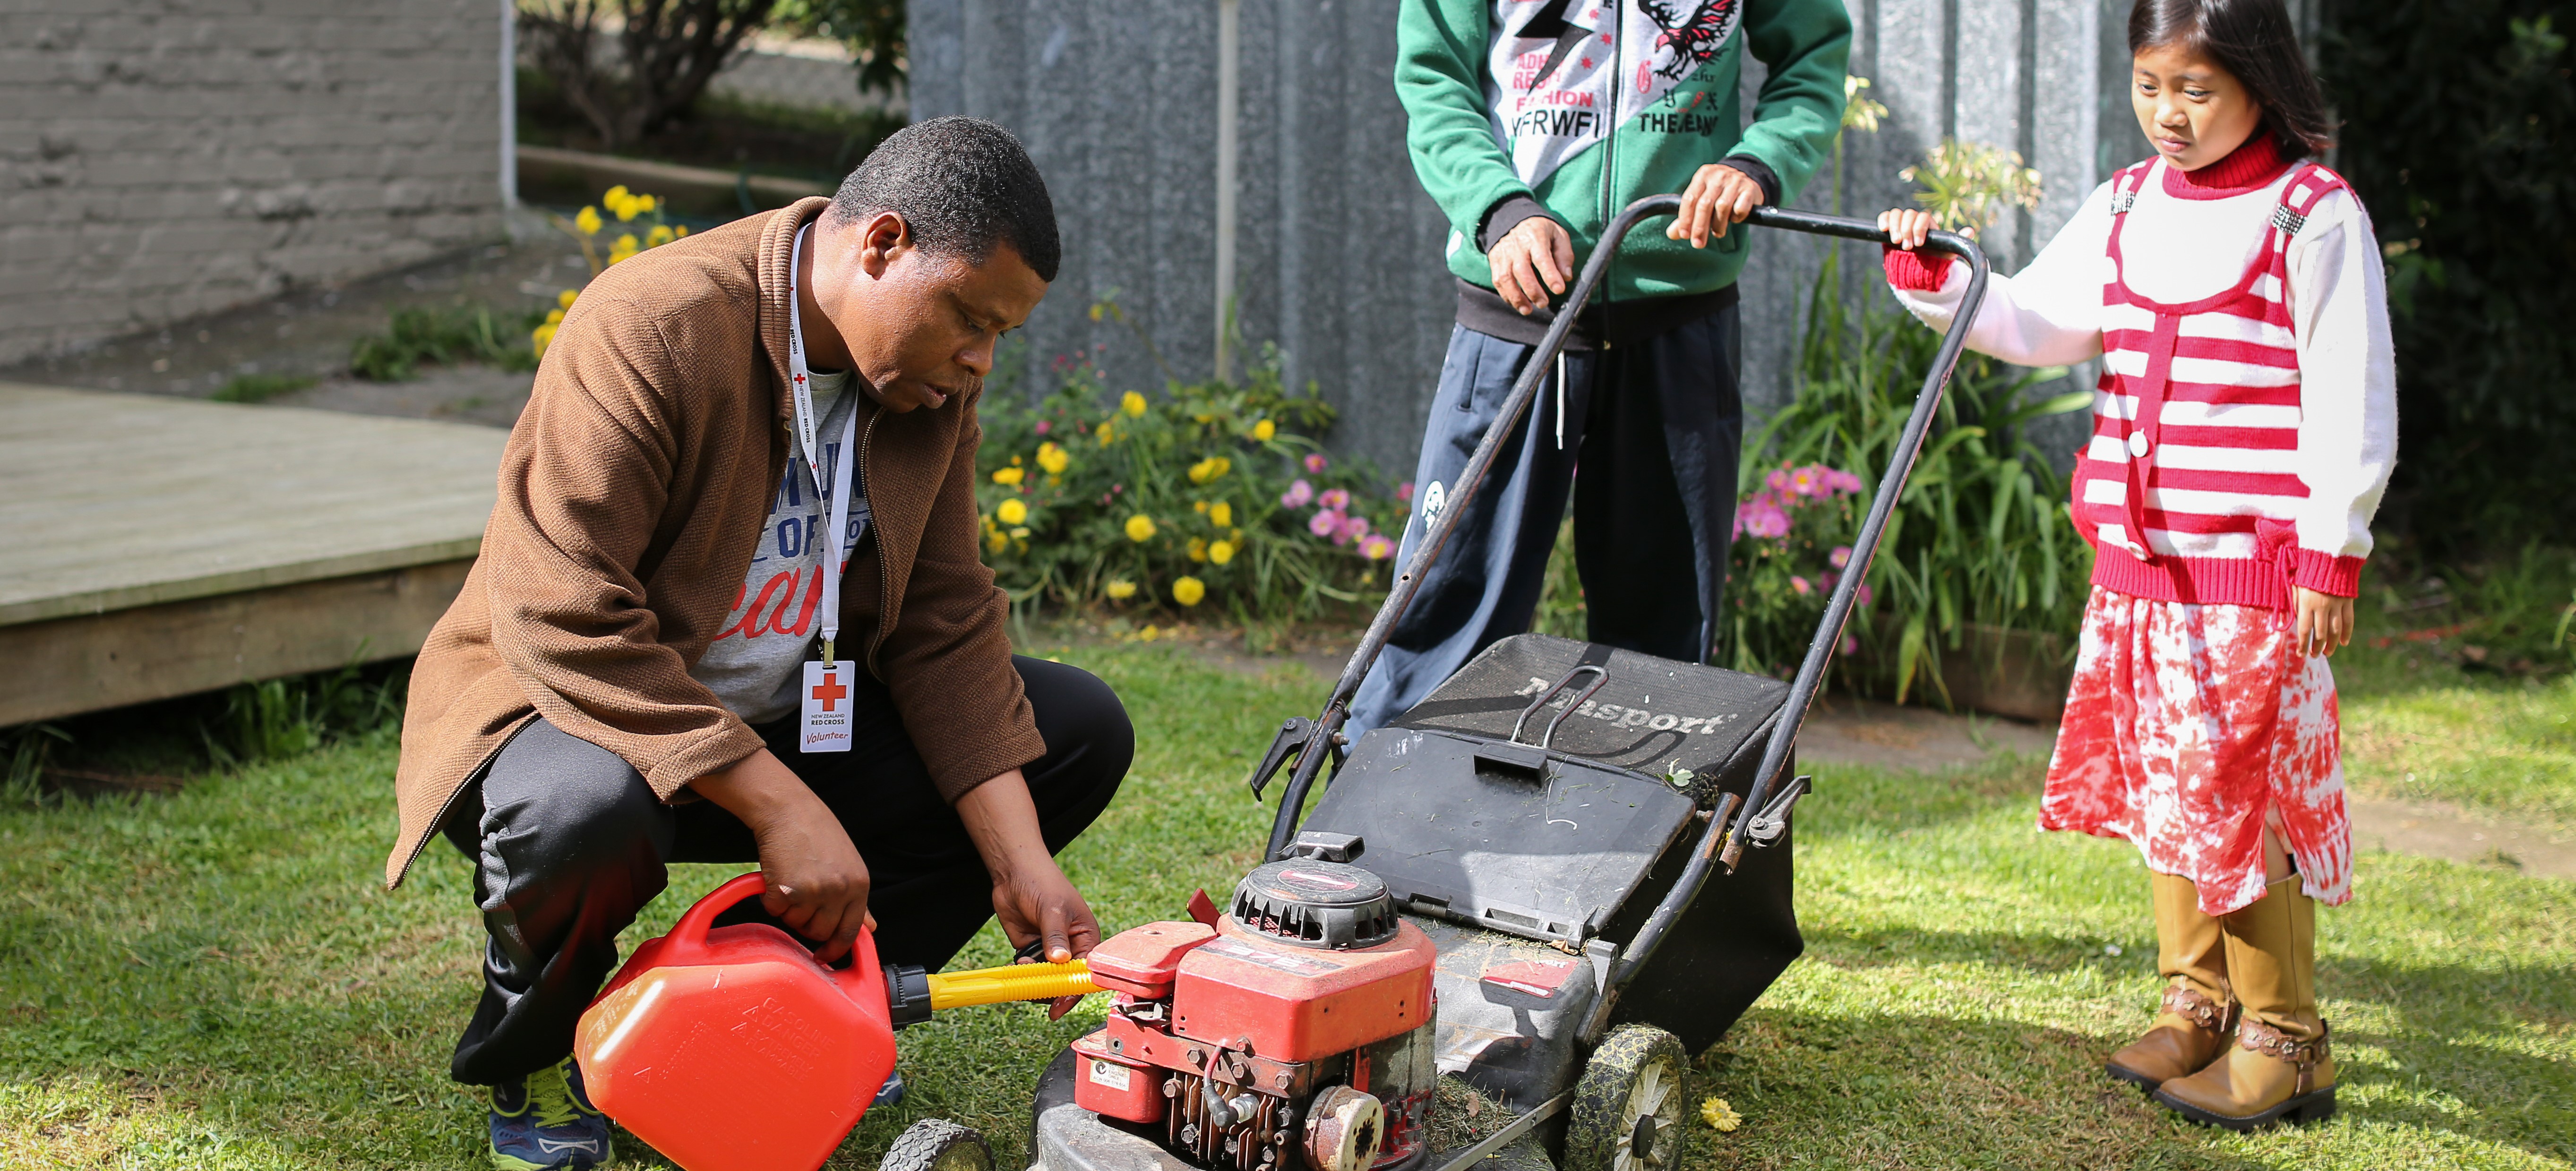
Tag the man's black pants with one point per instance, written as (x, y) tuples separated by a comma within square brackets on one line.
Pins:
[(570, 843)]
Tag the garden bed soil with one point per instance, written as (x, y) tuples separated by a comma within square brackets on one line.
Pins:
[(819, 146)]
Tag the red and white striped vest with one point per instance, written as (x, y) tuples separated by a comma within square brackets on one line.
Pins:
[(2189, 487)]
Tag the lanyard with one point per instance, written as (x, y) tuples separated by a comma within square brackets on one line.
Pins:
[(801, 385)]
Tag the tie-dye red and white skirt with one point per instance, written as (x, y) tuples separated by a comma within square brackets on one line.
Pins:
[(2190, 728)]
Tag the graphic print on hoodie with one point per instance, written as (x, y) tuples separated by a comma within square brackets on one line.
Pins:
[(1561, 77)]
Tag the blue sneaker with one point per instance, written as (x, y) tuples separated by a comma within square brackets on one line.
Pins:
[(544, 1122), (891, 1093)]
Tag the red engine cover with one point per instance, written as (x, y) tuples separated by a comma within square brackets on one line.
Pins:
[(1301, 1003)]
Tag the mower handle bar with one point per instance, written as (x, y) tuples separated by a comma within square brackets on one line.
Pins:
[(1722, 843)]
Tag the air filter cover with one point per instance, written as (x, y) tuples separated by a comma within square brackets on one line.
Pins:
[(1316, 904)]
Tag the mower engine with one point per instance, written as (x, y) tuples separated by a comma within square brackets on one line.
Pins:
[(1293, 1032)]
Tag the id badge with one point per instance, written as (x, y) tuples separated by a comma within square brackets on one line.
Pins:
[(826, 726)]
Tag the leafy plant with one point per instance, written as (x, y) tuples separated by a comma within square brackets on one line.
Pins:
[(433, 336), (1965, 183), (278, 718), (873, 30), (665, 52), (1213, 495), (259, 388), (26, 749)]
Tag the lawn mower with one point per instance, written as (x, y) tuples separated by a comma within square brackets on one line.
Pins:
[(1504, 886)]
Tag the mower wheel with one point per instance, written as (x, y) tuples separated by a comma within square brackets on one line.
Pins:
[(936, 1144), (1630, 1104)]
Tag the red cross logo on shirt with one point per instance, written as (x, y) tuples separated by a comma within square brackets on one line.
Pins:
[(829, 690)]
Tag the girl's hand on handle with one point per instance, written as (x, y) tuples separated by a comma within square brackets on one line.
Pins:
[(2325, 621), (1907, 228)]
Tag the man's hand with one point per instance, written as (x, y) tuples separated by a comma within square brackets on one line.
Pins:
[(1532, 262), (2325, 621), (1030, 892), (1718, 195), (818, 886)]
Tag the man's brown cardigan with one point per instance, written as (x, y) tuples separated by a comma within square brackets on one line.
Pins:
[(633, 491)]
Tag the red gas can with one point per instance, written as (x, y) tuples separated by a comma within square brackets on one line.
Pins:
[(731, 1049)]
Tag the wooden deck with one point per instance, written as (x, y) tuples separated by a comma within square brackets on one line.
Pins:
[(152, 547)]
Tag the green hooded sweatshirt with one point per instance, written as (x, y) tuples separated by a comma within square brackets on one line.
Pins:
[(1509, 100)]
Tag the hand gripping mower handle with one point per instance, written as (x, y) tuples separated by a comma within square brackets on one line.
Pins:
[(1763, 816)]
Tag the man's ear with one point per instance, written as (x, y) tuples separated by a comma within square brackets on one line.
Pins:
[(882, 238)]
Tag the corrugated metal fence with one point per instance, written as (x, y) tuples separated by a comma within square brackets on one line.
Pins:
[(1337, 253)]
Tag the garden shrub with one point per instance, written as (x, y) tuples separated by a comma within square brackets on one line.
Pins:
[(2456, 135), (1214, 496)]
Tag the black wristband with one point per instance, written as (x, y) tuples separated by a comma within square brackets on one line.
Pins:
[(1506, 214)]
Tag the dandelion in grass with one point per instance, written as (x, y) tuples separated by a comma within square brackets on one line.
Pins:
[(1140, 528), (1120, 591), (1009, 476), (1376, 547), (1051, 457), (1012, 512), (1717, 1113), (1336, 499), (1221, 514), (1264, 430), (1221, 552), (1325, 523), (1299, 494), (1132, 403), (1316, 463), (1189, 591)]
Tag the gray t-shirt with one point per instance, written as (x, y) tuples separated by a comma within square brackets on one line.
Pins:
[(757, 662)]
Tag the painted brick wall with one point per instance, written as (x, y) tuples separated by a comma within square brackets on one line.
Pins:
[(160, 160)]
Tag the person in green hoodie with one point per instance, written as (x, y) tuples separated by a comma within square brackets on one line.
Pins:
[(1531, 123)]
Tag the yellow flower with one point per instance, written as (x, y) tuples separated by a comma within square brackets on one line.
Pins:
[(1020, 532), (1140, 528), (1717, 1113), (1106, 434), (997, 542), (614, 195), (1008, 475), (660, 235), (1189, 591), (1203, 418), (626, 206), (1264, 429), (1198, 506), (1210, 468), (1012, 512), (1150, 633), (623, 248), (554, 317), (1198, 549), (1221, 514), (1120, 591), (1053, 459), (1221, 552), (541, 337), (644, 204), (682, 230), (587, 220), (1132, 403), (565, 298)]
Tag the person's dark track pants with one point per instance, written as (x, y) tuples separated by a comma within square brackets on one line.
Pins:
[(569, 843), (1644, 437)]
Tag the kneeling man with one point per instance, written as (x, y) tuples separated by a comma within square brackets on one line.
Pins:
[(729, 608)]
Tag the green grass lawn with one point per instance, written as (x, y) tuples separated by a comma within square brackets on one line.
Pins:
[(214, 979)]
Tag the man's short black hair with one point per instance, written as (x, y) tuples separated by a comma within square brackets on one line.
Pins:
[(961, 184)]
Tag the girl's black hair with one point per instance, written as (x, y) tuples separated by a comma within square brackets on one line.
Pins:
[(2254, 40)]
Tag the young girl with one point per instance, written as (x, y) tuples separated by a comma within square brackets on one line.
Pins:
[(2243, 430)]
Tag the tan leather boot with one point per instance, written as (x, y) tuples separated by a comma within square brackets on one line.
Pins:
[(2281, 1068), (2198, 1015)]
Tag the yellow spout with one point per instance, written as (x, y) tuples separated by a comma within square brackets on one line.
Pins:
[(1017, 982)]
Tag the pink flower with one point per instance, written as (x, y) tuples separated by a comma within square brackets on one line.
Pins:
[(1335, 498), (1826, 581), (1355, 528), (1404, 492), (1863, 597), (1376, 547), (1326, 523), (1762, 517), (1044, 426), (1298, 494), (1840, 557), (1802, 586), (1843, 482), (1808, 481), (1851, 646), (1778, 480), (1315, 464)]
